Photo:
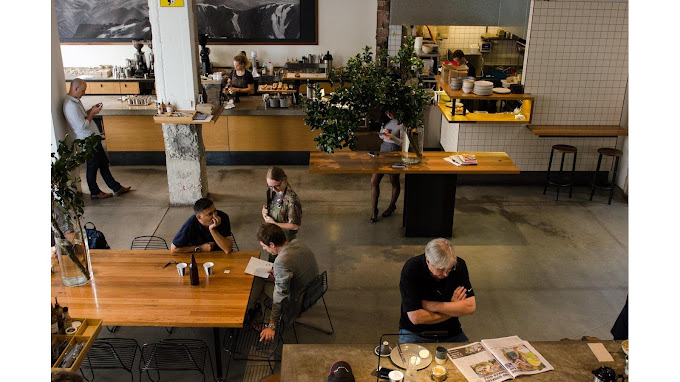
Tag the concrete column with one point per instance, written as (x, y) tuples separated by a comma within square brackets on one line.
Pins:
[(175, 48)]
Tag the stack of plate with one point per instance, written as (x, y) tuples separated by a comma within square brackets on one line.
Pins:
[(456, 83), (468, 85), (483, 88), (501, 90)]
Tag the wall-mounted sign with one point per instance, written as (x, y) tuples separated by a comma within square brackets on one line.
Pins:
[(172, 3)]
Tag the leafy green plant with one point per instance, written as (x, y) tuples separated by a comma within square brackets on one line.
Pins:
[(67, 204), (364, 86)]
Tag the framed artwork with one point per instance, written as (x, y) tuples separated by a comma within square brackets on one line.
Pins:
[(224, 21)]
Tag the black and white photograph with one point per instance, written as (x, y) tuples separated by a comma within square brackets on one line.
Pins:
[(103, 21), (249, 19)]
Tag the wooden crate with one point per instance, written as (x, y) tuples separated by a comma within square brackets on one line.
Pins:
[(86, 334)]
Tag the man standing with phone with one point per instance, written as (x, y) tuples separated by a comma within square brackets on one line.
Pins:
[(208, 230), (81, 123)]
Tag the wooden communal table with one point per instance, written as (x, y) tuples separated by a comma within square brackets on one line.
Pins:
[(572, 360), (133, 288), (430, 194)]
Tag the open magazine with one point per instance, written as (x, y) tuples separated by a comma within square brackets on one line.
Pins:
[(462, 159), (498, 359)]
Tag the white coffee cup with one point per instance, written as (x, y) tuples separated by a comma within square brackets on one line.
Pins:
[(182, 269), (208, 267), (396, 376)]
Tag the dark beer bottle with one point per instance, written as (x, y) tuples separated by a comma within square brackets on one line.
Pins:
[(59, 312), (194, 271)]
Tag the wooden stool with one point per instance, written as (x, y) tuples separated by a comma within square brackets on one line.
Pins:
[(607, 185), (272, 378), (560, 180)]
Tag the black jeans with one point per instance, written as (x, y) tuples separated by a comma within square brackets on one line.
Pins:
[(100, 162)]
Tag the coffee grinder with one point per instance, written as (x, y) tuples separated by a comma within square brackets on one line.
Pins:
[(206, 68), (140, 60)]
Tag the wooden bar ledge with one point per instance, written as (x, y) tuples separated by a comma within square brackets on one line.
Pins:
[(577, 131)]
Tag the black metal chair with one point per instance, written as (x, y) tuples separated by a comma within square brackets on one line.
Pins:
[(233, 238), (314, 291), (148, 242), (175, 355), (111, 353)]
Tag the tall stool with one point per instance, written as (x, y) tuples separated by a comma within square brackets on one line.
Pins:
[(607, 185), (561, 180)]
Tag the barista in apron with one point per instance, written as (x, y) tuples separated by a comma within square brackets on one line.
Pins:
[(241, 80)]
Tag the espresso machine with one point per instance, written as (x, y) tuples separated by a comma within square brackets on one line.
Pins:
[(206, 68), (140, 61)]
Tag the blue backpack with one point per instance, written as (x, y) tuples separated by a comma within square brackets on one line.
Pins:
[(95, 239)]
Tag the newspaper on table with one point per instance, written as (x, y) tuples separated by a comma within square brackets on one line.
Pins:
[(498, 359), (462, 159)]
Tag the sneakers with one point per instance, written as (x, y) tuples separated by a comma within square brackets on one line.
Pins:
[(252, 312), (101, 195), (122, 190)]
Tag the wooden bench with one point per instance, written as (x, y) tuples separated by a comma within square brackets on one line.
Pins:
[(577, 131)]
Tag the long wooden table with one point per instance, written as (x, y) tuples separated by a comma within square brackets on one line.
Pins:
[(572, 360), (429, 197), (132, 288)]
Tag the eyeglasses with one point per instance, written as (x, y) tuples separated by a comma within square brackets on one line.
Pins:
[(170, 262), (276, 186)]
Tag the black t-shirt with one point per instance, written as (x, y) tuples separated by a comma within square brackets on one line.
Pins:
[(418, 284), (241, 81), (193, 233)]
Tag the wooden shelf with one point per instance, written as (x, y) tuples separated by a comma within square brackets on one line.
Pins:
[(188, 117), (577, 131), (484, 117), (458, 94), (304, 76), (86, 334)]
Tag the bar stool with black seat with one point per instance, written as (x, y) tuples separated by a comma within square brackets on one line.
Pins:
[(561, 180), (610, 152)]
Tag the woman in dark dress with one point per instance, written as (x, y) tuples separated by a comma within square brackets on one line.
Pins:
[(241, 80), (391, 134)]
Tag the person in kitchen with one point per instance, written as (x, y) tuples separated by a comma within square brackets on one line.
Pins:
[(390, 133), (435, 290), (241, 80), (81, 123), (460, 60)]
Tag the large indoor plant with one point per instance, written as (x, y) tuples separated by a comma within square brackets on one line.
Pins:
[(67, 208), (366, 88)]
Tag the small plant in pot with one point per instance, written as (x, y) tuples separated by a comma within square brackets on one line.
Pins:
[(372, 85), (70, 240)]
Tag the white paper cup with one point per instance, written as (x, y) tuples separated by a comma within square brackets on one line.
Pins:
[(208, 267), (182, 269), (396, 376)]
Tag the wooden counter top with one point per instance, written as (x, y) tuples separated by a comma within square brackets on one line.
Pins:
[(572, 360), (359, 162)]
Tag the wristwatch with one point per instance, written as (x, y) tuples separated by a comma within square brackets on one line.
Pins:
[(197, 249), (271, 326)]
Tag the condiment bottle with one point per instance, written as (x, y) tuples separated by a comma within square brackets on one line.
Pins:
[(55, 324), (67, 319), (169, 108), (194, 271), (59, 312), (162, 107)]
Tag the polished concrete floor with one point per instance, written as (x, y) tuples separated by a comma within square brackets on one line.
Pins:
[(542, 270)]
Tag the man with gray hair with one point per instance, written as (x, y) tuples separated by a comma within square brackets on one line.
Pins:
[(435, 290), (81, 123)]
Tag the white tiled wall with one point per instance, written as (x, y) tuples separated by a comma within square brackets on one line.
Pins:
[(576, 67)]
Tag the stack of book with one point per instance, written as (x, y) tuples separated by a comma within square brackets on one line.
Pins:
[(462, 160)]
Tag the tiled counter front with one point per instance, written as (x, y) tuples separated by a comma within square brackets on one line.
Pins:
[(529, 152)]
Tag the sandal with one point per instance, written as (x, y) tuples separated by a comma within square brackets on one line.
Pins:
[(374, 218), (389, 211)]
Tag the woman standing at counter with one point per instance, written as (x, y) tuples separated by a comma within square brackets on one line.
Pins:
[(391, 136), (283, 206), (241, 80)]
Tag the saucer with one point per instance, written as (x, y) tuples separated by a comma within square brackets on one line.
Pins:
[(377, 351)]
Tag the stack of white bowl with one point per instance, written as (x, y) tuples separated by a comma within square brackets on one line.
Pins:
[(456, 83), (468, 85), (483, 88)]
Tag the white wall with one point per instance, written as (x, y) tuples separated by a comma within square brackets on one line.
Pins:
[(345, 27)]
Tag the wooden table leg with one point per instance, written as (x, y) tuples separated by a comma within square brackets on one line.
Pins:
[(429, 201)]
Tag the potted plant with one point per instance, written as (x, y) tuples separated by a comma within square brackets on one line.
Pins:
[(373, 85), (70, 240)]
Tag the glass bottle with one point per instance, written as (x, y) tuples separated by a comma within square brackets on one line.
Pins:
[(194, 271), (67, 319), (55, 324), (59, 312), (411, 374)]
